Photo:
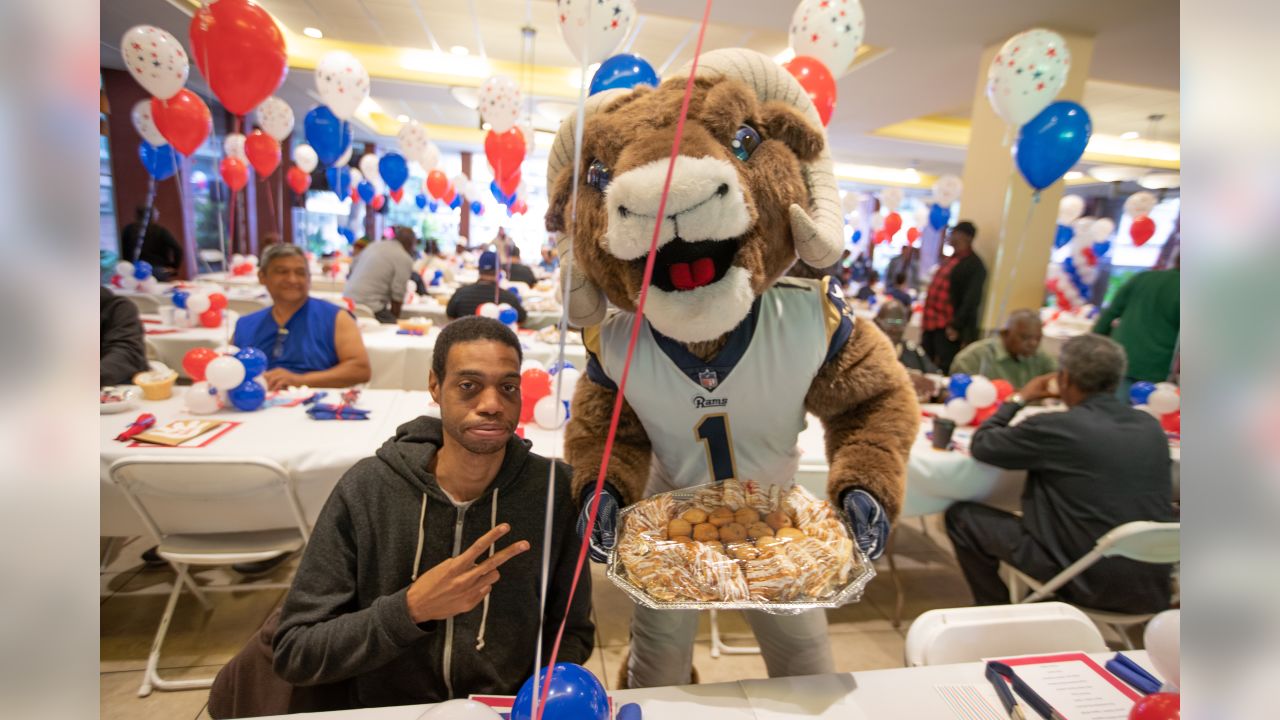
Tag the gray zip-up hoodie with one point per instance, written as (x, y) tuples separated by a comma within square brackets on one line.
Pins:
[(346, 617)]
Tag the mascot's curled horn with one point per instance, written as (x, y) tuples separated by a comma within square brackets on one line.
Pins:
[(731, 356)]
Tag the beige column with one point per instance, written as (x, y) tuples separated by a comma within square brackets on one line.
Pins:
[(999, 201)]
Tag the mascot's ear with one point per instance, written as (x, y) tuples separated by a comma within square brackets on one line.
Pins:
[(782, 122)]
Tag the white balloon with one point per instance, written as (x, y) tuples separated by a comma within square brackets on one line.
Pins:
[(369, 168), (431, 158), (891, 199), (1164, 400), (236, 259), (145, 124), (1027, 74), (155, 59), (500, 100), (128, 282), (1140, 203), (124, 268), (356, 176), (275, 117), (413, 141), (531, 364), (343, 82), (197, 303), (981, 392), (489, 310), (1163, 642), (201, 399), (592, 31), (1070, 208), (233, 146), (251, 259), (1148, 410), (460, 710), (960, 411), (828, 31), (549, 414), (462, 183), (568, 379), (1101, 229), (345, 160), (304, 156), (947, 190), (151, 286), (224, 373)]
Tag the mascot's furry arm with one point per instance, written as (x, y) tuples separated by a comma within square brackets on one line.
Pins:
[(584, 444)]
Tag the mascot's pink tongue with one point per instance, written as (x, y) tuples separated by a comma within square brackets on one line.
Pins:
[(687, 276)]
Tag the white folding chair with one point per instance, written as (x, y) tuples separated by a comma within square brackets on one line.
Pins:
[(209, 256), (1148, 542), (146, 304), (202, 481), (363, 311), (245, 306), (960, 635)]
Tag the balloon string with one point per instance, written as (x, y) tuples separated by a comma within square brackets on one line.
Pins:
[(1017, 258), (146, 220), (631, 345)]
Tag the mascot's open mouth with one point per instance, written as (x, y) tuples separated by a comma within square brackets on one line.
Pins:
[(682, 265)]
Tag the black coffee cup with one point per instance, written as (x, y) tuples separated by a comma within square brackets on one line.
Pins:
[(942, 431)]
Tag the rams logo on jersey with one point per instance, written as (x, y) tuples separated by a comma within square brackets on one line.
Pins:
[(705, 402)]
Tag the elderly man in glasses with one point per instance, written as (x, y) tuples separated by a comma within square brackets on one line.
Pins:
[(307, 341), (892, 320)]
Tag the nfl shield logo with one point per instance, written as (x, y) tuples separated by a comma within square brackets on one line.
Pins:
[(708, 379)]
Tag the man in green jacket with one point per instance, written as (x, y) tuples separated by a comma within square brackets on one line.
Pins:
[(1147, 310)]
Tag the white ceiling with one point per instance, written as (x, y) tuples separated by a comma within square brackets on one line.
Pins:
[(930, 66)]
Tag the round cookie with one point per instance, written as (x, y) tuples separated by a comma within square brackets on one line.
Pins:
[(758, 530), (746, 516), (694, 516), (790, 533), (720, 517), (733, 533), (679, 527), (778, 520), (705, 532)]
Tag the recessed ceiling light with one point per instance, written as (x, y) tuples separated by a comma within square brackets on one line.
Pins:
[(459, 50), (312, 32), (486, 126), (1116, 173), (1160, 180), (402, 118), (1131, 135), (1073, 175)]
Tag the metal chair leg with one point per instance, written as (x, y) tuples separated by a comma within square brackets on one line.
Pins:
[(718, 645), (899, 593)]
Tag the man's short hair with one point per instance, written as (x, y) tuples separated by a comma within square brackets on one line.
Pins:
[(471, 329), (900, 279), (964, 227), (513, 252), (277, 251), (1093, 363)]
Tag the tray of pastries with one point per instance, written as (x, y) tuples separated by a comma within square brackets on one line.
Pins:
[(737, 545)]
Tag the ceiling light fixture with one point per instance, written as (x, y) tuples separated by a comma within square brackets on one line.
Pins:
[(402, 118), (312, 32), (877, 175), (1073, 175), (459, 50), (1160, 180), (1115, 173), (1131, 135)]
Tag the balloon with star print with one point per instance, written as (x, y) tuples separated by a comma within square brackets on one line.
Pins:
[(500, 100), (593, 29), (414, 142), (830, 31), (156, 60), (275, 117), (343, 83), (145, 124), (1027, 74)]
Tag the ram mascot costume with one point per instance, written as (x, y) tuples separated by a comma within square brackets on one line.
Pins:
[(731, 355)]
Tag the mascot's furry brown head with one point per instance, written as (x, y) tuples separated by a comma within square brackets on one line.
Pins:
[(752, 190)]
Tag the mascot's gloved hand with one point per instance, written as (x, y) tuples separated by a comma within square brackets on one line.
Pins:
[(604, 534), (867, 521)]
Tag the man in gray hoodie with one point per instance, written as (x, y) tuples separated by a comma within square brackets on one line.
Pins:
[(399, 593)]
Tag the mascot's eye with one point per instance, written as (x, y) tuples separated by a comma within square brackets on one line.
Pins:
[(598, 175), (745, 142)]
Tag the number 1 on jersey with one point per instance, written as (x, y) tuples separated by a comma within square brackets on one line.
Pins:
[(713, 431)]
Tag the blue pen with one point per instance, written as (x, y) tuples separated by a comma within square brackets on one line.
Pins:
[(1025, 692), (1133, 674), (1006, 695)]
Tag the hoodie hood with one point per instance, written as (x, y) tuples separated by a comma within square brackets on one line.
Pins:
[(409, 454)]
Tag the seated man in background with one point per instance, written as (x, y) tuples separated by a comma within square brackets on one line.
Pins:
[(868, 289), (898, 291), (892, 318), (398, 593), (431, 261), (307, 341), (485, 290), (122, 350), (158, 247), (380, 275), (1097, 466), (519, 272), (550, 261), (1013, 355)]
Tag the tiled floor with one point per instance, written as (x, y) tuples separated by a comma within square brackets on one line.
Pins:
[(862, 634)]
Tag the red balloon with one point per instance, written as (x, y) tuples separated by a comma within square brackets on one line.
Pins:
[(437, 184), (263, 152), (196, 360), (1089, 255), (217, 301), (234, 172), (1003, 389), (504, 151), (981, 414), (1172, 422), (355, 196), (297, 180), (816, 80), (240, 51), (880, 236), (1159, 706), (526, 411), (510, 184), (183, 120), (117, 281), (377, 202), (397, 194), (211, 318), (449, 194), (535, 384), (913, 234), (1141, 230), (892, 224)]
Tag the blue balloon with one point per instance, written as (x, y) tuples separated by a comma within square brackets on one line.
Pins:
[(457, 202), (366, 190), (477, 207), (857, 235), (1101, 248), (498, 195), (432, 206), (160, 161), (623, 72), (394, 170), (1063, 235), (959, 385), (142, 270), (180, 299), (507, 316), (254, 361), (339, 180), (574, 694), (939, 216), (327, 135), (555, 367), (421, 201), (347, 233), (436, 278), (1140, 391), (514, 291), (248, 396), (1052, 142)]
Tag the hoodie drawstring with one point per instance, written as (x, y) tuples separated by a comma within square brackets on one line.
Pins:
[(484, 615), (422, 523)]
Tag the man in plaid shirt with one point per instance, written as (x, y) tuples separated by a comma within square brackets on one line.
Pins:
[(950, 318)]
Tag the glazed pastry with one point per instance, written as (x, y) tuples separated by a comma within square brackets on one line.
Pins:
[(790, 533), (757, 496), (771, 577), (817, 563), (734, 495)]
